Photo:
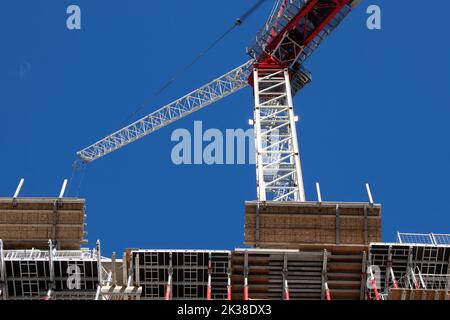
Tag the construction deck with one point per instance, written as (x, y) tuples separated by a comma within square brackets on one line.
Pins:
[(27, 223), (291, 224), (411, 267), (300, 251)]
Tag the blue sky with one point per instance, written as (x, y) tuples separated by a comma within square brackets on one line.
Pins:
[(377, 111)]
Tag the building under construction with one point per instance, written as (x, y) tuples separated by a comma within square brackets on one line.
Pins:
[(293, 248), (307, 250)]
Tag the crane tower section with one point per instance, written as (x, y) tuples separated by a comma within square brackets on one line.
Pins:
[(279, 175), (293, 31)]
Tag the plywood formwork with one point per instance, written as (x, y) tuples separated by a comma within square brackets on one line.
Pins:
[(346, 271), (275, 225), (30, 222), (266, 271)]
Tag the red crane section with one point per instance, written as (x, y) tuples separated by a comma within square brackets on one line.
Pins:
[(295, 30)]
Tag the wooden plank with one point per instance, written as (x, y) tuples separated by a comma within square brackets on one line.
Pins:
[(309, 224), (30, 222)]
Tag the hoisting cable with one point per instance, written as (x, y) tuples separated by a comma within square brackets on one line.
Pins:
[(79, 165), (238, 22)]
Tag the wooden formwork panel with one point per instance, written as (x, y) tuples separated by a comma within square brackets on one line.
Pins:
[(31, 222), (309, 223), (39, 232), (40, 244)]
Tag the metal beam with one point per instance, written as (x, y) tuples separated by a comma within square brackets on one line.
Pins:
[(324, 274), (388, 270), (99, 262), (369, 194), (63, 189), (278, 167), (19, 187), (51, 265), (362, 295), (113, 269), (3, 286), (319, 194)]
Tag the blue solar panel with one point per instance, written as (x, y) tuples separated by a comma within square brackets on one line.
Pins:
[(415, 238), (428, 238)]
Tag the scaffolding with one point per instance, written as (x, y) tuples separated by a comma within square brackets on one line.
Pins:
[(418, 286), (416, 262), (181, 274), (53, 274)]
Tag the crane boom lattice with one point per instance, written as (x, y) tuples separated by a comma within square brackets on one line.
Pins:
[(294, 30), (197, 99)]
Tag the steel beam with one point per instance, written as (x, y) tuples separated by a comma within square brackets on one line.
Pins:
[(278, 167), (3, 286)]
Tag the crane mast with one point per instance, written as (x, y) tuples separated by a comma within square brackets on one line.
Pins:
[(279, 174), (294, 30), (292, 33)]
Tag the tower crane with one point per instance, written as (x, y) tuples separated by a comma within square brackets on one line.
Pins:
[(276, 72)]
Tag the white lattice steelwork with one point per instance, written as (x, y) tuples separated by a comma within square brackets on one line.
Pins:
[(410, 265), (436, 281), (37, 274), (279, 174), (415, 280), (198, 99)]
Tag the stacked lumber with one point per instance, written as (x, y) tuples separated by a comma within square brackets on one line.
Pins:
[(30, 222), (277, 225)]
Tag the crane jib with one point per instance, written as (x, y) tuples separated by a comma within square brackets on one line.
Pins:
[(194, 101)]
